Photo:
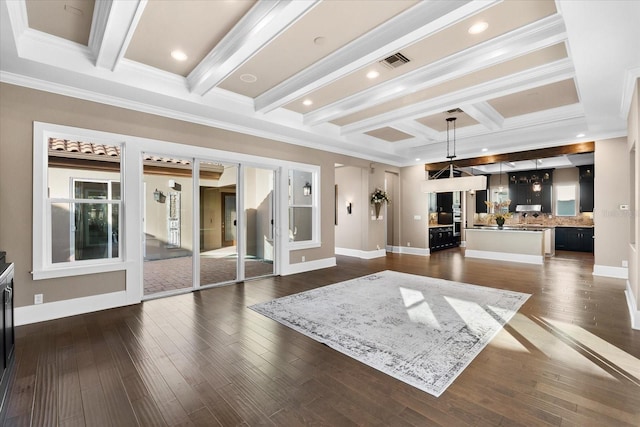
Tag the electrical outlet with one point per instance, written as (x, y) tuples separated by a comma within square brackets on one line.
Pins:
[(625, 263), (37, 299), (304, 258), (409, 244)]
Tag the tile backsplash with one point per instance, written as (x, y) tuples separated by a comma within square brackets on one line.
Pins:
[(584, 219)]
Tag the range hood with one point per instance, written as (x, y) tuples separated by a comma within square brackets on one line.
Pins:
[(528, 208)]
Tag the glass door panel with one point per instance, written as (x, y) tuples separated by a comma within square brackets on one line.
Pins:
[(218, 223), (259, 221), (168, 224)]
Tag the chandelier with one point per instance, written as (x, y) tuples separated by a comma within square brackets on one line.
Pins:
[(464, 182)]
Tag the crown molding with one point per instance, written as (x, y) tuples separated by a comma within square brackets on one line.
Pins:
[(630, 78), (17, 12)]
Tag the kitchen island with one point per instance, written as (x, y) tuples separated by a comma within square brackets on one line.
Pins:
[(517, 244)]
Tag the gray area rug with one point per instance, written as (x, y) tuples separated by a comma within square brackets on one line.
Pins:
[(420, 330)]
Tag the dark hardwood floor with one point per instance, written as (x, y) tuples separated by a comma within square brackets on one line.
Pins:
[(568, 358)]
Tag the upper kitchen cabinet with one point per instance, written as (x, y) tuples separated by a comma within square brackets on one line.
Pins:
[(521, 189), (586, 177)]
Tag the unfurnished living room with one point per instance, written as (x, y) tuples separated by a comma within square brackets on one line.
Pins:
[(319, 212)]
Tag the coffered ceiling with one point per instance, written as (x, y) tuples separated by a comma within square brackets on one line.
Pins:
[(370, 78)]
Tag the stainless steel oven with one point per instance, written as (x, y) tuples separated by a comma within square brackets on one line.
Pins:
[(456, 227)]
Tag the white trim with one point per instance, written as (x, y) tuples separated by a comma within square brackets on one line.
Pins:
[(634, 313), (393, 249), (503, 256), (630, 77), (361, 254), (414, 251), (608, 271), (58, 309), (74, 269), (302, 267)]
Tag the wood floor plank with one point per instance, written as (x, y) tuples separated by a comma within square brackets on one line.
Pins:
[(207, 359)]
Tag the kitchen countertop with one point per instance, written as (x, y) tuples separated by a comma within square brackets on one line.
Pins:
[(509, 228), (440, 225), (515, 226)]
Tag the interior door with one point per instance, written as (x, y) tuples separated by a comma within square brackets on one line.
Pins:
[(259, 221)]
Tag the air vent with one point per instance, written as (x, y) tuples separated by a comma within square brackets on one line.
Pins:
[(395, 60), (455, 111)]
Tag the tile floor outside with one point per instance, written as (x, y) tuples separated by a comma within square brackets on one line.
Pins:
[(176, 273)]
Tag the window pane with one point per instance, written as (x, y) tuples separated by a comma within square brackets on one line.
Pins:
[(300, 224), (300, 187), (82, 231)]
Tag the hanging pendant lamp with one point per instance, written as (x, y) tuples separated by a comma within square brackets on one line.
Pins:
[(464, 182), (537, 187)]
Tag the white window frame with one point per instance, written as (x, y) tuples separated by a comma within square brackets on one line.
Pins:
[(43, 267), (316, 190)]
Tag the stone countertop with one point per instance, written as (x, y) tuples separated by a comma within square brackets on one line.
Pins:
[(440, 225), (509, 228), (535, 225)]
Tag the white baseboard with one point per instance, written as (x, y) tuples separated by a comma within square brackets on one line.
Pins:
[(58, 309), (301, 267), (361, 254), (393, 249), (503, 256), (414, 251), (633, 308), (608, 271)]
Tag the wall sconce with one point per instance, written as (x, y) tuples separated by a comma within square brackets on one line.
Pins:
[(349, 208), (159, 196), (306, 189)]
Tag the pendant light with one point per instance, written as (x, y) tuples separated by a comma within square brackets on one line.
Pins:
[(464, 182), (500, 187), (537, 187)]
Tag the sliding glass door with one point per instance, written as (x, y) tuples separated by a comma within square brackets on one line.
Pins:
[(168, 224), (259, 248), (218, 223)]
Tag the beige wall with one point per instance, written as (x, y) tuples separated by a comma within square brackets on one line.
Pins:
[(413, 232), (349, 229), (633, 153), (20, 107), (611, 190)]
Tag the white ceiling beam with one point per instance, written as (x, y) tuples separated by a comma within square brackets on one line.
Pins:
[(112, 28), (263, 23), (544, 33), (416, 129), (546, 74), (484, 114), (423, 19)]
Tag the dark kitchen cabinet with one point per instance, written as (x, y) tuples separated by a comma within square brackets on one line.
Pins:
[(442, 238), (7, 338), (521, 189), (586, 178), (574, 239), (481, 198), (444, 202)]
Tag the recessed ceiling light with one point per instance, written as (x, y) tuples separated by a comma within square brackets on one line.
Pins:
[(372, 74), (484, 150), (580, 135), (417, 159), (307, 102), (478, 27), (179, 55), (248, 78)]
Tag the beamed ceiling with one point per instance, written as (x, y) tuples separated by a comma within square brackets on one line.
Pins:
[(313, 73)]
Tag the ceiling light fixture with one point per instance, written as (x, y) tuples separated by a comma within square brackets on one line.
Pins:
[(179, 55), (372, 74), (484, 150), (464, 182), (478, 27), (580, 135), (307, 102)]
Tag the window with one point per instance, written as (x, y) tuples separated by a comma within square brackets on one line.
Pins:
[(566, 200), (303, 216), (77, 185)]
